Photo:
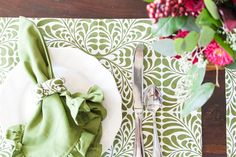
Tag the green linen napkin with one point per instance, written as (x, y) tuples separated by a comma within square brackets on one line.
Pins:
[(65, 124)]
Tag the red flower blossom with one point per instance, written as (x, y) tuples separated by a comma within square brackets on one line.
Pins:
[(181, 34), (166, 8), (177, 57), (194, 5), (217, 55), (229, 17)]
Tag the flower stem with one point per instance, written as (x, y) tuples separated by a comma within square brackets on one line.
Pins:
[(217, 76)]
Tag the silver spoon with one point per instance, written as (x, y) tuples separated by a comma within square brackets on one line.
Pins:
[(152, 99)]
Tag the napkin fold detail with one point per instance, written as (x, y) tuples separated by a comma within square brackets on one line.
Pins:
[(78, 103), (63, 124), (15, 133), (83, 108), (49, 87)]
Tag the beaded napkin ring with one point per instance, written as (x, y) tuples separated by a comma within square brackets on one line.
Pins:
[(49, 87)]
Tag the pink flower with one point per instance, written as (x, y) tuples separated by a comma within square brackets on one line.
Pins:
[(194, 5), (173, 8), (217, 55)]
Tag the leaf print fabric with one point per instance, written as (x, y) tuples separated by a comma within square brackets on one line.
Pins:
[(112, 42)]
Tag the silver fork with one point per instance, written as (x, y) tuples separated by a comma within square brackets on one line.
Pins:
[(152, 100)]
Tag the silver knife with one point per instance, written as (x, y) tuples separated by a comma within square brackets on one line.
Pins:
[(138, 100)]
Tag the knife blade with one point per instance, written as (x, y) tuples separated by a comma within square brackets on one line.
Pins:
[(138, 100), (138, 77)]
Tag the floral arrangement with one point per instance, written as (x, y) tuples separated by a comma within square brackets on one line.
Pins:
[(195, 32)]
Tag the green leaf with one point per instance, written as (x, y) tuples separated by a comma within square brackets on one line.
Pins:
[(179, 45), (206, 36), (205, 19), (167, 26), (212, 8), (149, 1), (191, 41), (197, 76), (226, 46), (198, 98), (191, 24), (165, 47), (187, 44)]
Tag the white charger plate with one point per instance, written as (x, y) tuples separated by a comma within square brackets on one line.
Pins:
[(80, 71)]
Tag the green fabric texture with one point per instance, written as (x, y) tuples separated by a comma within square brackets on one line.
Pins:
[(65, 124)]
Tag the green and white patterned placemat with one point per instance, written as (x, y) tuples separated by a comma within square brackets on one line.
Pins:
[(112, 42), (230, 85)]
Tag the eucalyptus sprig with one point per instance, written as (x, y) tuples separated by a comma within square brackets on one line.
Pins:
[(203, 29)]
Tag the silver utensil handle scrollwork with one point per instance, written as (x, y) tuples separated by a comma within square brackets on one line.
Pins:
[(153, 102), (138, 143), (156, 144)]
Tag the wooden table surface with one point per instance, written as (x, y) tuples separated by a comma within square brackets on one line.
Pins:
[(214, 121)]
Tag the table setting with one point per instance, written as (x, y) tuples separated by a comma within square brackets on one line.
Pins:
[(118, 93)]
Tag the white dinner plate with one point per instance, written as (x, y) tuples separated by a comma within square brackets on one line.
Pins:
[(80, 71)]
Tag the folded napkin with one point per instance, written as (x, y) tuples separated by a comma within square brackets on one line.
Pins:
[(77, 79), (64, 124)]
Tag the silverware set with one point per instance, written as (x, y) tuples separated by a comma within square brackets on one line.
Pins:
[(151, 99)]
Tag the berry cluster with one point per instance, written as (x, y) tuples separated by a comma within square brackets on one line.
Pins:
[(165, 8)]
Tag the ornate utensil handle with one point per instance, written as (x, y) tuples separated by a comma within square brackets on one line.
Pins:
[(138, 143), (156, 144)]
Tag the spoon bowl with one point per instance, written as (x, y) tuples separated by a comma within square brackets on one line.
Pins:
[(152, 98), (153, 102)]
